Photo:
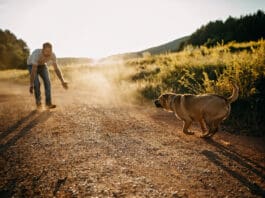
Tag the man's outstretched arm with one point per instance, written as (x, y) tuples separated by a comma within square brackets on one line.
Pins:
[(59, 75), (32, 77)]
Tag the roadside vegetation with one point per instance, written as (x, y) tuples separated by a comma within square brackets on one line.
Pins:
[(199, 70)]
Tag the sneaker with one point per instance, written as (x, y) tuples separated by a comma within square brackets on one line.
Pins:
[(51, 106)]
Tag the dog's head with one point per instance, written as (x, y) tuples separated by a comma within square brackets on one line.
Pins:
[(164, 101), (157, 103)]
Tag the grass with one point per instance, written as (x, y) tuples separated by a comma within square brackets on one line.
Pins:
[(22, 75), (199, 70), (14, 75)]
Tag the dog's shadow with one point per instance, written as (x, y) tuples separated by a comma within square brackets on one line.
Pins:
[(232, 155), (35, 118)]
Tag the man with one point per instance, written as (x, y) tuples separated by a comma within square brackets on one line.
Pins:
[(37, 64)]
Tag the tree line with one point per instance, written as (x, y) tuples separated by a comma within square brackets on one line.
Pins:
[(246, 28), (13, 51)]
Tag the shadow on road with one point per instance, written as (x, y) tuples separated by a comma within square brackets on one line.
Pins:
[(16, 125), (7, 192), (247, 163), (41, 117)]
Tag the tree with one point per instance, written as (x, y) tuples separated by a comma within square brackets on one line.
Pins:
[(245, 28), (13, 51)]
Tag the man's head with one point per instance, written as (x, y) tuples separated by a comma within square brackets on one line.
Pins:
[(47, 49)]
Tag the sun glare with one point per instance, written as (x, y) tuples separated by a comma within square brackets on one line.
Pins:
[(98, 28)]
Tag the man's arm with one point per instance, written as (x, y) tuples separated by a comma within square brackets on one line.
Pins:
[(59, 75), (32, 77), (58, 72)]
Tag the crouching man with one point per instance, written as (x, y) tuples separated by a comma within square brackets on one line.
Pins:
[(37, 65)]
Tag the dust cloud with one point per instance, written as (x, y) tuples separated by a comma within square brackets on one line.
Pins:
[(106, 84)]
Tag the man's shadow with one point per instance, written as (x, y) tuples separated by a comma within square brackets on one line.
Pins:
[(38, 118), (16, 125), (247, 163)]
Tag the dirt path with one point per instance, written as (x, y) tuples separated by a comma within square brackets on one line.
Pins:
[(90, 148)]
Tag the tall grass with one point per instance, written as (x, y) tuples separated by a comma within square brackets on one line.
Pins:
[(209, 70)]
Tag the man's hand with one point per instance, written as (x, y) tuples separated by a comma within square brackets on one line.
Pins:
[(31, 89), (65, 84)]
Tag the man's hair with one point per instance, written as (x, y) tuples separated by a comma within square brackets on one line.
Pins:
[(47, 45)]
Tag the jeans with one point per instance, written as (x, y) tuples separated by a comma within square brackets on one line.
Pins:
[(43, 72)]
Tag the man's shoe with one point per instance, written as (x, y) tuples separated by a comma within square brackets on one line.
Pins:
[(51, 106)]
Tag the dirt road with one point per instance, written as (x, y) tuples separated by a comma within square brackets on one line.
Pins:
[(94, 146)]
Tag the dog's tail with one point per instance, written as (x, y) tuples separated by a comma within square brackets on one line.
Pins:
[(234, 95)]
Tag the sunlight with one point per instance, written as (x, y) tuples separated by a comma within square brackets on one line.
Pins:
[(98, 28)]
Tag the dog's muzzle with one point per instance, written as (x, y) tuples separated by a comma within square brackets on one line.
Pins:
[(157, 103)]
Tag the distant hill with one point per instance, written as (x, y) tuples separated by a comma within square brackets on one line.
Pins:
[(172, 46), (74, 61)]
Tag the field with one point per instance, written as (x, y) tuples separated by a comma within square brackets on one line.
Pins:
[(106, 138)]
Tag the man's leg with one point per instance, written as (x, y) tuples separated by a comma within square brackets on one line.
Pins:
[(37, 92), (44, 73)]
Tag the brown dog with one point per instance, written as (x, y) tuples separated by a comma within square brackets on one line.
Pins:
[(207, 109)]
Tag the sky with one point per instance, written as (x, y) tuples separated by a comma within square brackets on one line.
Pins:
[(99, 28)]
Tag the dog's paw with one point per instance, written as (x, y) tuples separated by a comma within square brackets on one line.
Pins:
[(205, 135), (210, 135)]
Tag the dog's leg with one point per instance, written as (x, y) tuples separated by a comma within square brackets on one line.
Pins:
[(214, 127), (186, 126), (205, 131)]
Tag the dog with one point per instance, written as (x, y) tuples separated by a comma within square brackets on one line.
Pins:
[(207, 109)]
